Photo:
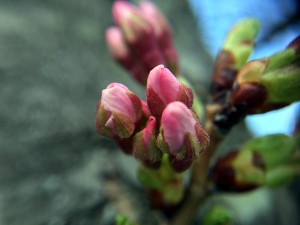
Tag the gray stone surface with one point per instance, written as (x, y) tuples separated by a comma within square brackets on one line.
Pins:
[(53, 66)]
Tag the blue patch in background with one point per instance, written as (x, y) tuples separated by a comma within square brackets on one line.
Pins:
[(280, 24)]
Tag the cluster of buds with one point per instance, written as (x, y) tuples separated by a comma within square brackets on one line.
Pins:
[(264, 161), (165, 124), (257, 86), (141, 39)]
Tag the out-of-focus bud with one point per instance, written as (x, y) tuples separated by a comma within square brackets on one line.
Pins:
[(122, 54), (239, 171), (163, 34), (234, 54), (181, 135), (138, 34), (144, 145), (261, 161), (118, 112), (163, 88), (278, 74)]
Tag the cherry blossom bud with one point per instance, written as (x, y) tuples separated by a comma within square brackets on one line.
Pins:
[(118, 112), (163, 88), (181, 134), (163, 33), (138, 34), (144, 145), (122, 54)]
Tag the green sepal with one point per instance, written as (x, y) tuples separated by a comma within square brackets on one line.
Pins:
[(160, 143), (123, 125), (276, 149), (102, 117), (148, 153)]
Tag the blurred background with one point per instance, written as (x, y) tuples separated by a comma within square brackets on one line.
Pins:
[(280, 23), (54, 168)]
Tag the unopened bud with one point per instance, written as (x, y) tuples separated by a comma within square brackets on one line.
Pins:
[(239, 171), (263, 85), (118, 112), (278, 74), (234, 54), (123, 55), (163, 88), (144, 145), (138, 34), (163, 34), (181, 135)]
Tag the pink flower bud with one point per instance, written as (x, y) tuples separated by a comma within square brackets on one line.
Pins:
[(144, 145), (122, 54), (138, 34), (117, 46), (181, 134), (162, 32), (159, 22), (163, 88), (118, 112)]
